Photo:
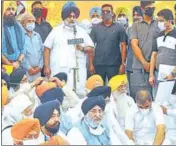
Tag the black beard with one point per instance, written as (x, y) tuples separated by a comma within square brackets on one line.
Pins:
[(53, 129), (9, 20)]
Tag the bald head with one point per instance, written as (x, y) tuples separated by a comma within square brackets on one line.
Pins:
[(143, 96)]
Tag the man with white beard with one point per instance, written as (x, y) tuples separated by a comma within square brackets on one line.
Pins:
[(122, 101)]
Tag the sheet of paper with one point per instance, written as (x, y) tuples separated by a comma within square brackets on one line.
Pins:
[(164, 70)]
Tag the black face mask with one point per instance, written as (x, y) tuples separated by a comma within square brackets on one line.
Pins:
[(54, 129), (149, 12), (37, 12), (9, 20)]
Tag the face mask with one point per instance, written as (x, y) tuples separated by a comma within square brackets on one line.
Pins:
[(172, 99), (54, 129), (107, 16), (70, 24), (9, 20), (144, 111), (161, 26), (30, 26), (96, 20), (122, 20), (37, 12), (149, 12), (90, 122), (30, 142)]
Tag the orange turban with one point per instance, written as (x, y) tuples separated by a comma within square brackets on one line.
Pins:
[(56, 140), (93, 81), (20, 130), (44, 87), (4, 95)]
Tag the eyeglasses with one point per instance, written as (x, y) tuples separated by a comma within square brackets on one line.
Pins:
[(72, 16), (106, 11)]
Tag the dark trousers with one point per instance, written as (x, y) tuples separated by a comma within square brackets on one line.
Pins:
[(107, 71), (139, 79)]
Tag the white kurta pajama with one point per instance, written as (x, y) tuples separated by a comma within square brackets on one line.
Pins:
[(63, 55)]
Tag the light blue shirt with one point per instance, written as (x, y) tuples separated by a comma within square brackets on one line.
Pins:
[(17, 52), (34, 51)]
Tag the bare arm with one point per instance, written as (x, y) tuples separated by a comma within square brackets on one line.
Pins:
[(153, 63), (123, 52), (5, 60), (47, 70), (129, 134), (160, 135)]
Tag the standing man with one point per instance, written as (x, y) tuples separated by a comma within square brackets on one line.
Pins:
[(41, 26), (65, 51), (109, 60), (12, 38), (142, 36), (175, 13), (164, 53)]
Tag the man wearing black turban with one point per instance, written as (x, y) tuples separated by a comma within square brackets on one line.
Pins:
[(65, 50), (91, 130)]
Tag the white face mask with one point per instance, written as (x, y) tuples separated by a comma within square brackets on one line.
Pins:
[(161, 26), (144, 111), (122, 20), (30, 142), (24, 85), (30, 26), (96, 20)]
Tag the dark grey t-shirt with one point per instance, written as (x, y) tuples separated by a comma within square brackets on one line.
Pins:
[(145, 33), (107, 41)]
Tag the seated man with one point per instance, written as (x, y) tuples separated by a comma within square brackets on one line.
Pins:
[(145, 121), (25, 132), (49, 117), (91, 130), (122, 102), (169, 109)]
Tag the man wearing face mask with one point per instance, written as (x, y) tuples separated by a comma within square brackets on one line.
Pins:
[(122, 102), (41, 26), (137, 16), (122, 16), (142, 37), (109, 60), (33, 61), (144, 122), (164, 51), (12, 37), (49, 117), (91, 130), (65, 50)]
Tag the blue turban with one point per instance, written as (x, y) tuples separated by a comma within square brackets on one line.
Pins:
[(52, 94), (100, 91), (61, 76), (68, 8), (44, 111), (138, 10), (91, 102), (16, 76), (95, 9)]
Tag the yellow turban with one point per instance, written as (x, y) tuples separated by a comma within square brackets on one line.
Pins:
[(122, 10), (4, 95), (9, 4), (92, 81), (116, 81)]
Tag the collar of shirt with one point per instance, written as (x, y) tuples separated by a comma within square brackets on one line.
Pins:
[(42, 22), (33, 33), (143, 21)]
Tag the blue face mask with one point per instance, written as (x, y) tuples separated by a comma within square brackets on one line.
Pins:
[(107, 16), (54, 129), (30, 26), (90, 122)]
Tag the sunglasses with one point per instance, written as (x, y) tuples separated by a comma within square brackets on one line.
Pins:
[(72, 16), (106, 12)]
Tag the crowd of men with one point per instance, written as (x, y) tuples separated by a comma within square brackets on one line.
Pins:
[(100, 81)]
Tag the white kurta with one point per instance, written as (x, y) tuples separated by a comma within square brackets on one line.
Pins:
[(63, 55), (144, 126)]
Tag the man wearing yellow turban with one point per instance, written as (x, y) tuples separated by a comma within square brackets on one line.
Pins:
[(123, 102)]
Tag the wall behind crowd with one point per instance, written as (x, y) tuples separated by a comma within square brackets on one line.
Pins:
[(55, 7)]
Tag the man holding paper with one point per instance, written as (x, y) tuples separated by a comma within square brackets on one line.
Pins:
[(65, 49), (164, 53)]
